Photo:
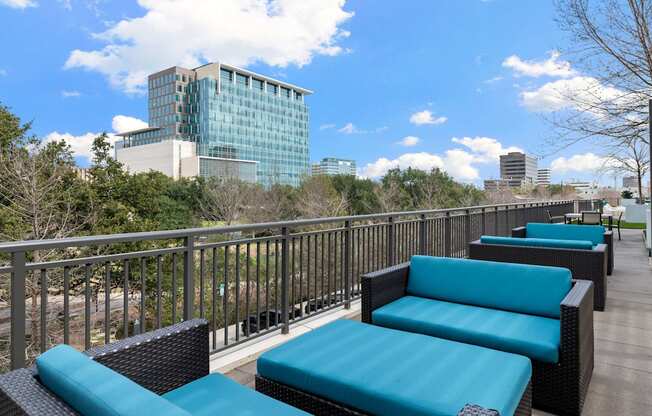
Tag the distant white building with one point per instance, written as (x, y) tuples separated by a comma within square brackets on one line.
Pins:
[(585, 190), (543, 176), (334, 166)]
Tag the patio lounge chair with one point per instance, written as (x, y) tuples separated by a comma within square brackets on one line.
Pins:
[(351, 368), (163, 373), (582, 258), (535, 311), (596, 234)]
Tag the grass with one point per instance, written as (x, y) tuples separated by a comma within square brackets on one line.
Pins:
[(629, 225)]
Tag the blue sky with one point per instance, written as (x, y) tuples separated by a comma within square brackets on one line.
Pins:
[(418, 83)]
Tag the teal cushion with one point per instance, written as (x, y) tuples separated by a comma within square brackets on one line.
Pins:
[(533, 336), (381, 371), (592, 233), (95, 390), (524, 288), (537, 242), (216, 394)]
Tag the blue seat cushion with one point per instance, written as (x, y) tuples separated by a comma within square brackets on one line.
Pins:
[(537, 242), (524, 288), (216, 394), (382, 371), (533, 336), (592, 233), (95, 390)]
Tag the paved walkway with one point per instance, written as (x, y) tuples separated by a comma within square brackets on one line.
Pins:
[(622, 379)]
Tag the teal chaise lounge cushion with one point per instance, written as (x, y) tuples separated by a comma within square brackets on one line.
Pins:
[(95, 390), (537, 242), (592, 233), (216, 394), (382, 371), (522, 288), (536, 337)]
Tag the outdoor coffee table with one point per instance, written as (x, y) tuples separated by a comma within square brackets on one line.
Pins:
[(348, 367), (568, 218)]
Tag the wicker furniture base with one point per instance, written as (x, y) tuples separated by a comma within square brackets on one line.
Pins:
[(320, 406), (557, 388)]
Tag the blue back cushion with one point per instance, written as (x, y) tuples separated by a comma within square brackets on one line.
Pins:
[(537, 242), (524, 288), (592, 233), (93, 389)]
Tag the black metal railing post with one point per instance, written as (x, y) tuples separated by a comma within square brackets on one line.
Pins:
[(189, 278), (448, 235), (285, 276), (18, 274), (484, 221), (347, 264), (391, 229), (467, 226), (422, 234)]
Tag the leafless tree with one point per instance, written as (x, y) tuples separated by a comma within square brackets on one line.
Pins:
[(225, 199), (317, 198), (612, 47), (633, 157), (37, 191)]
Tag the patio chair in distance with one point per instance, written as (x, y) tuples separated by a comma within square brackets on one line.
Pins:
[(591, 218)]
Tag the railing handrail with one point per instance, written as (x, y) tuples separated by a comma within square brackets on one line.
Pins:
[(28, 245)]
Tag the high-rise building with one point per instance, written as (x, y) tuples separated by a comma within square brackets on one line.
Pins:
[(334, 166), (519, 168), (240, 124), (630, 182), (543, 176)]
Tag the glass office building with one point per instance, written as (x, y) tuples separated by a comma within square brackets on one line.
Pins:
[(334, 166), (231, 114)]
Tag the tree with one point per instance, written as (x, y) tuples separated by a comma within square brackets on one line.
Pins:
[(613, 47), (224, 199), (361, 194), (318, 198), (12, 131), (632, 158)]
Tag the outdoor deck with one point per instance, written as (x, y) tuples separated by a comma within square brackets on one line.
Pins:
[(622, 379)]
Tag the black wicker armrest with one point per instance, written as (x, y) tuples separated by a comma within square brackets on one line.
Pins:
[(382, 287), (577, 349), (609, 241), (160, 361), (518, 232)]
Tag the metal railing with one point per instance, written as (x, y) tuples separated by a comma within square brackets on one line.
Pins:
[(247, 280)]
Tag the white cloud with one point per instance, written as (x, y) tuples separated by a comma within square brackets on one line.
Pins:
[(190, 32), (18, 4), (81, 144), (458, 163), (551, 67), (326, 126), (587, 162), (70, 94), (409, 141), (493, 80), (485, 149), (3, 72), (426, 117), (66, 4), (121, 124), (455, 162), (579, 93), (350, 128)]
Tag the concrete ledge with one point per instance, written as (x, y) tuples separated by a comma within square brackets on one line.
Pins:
[(250, 351)]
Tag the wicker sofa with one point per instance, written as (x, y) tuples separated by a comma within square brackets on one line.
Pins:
[(480, 302), (171, 363), (584, 260), (597, 234)]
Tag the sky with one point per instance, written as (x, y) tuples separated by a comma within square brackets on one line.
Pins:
[(421, 83)]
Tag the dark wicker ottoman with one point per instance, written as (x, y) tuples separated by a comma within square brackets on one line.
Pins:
[(351, 368)]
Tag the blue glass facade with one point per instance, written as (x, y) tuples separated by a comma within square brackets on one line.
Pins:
[(232, 114)]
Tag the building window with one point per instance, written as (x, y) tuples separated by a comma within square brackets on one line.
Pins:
[(226, 75), (183, 78), (242, 79), (258, 84), (272, 89)]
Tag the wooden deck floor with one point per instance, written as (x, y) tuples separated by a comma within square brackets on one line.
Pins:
[(622, 379)]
